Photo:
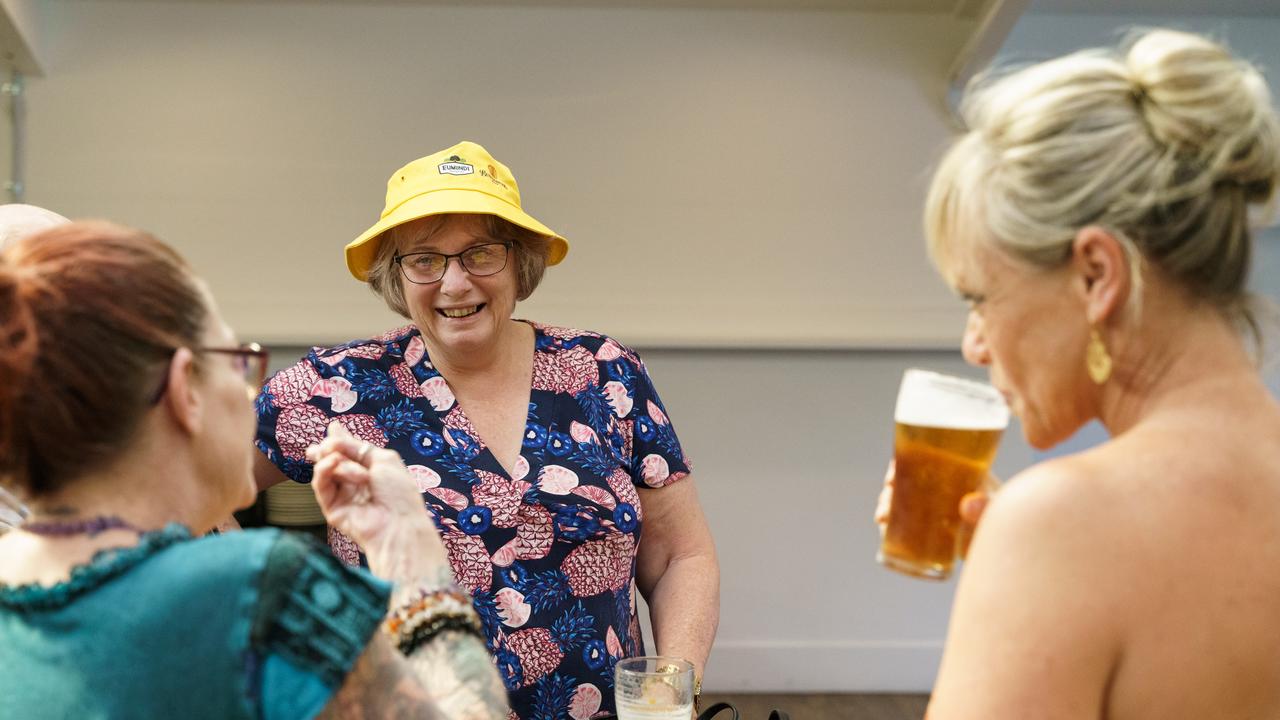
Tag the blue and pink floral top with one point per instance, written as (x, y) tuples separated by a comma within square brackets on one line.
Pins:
[(547, 551)]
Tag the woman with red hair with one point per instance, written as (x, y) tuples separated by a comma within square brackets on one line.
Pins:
[(125, 417)]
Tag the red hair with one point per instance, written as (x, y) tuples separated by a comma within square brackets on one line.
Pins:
[(90, 313)]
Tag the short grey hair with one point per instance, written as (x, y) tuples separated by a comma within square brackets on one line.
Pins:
[(530, 248)]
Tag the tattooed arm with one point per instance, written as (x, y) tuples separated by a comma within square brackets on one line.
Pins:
[(454, 666), (463, 680), (381, 685), (451, 677)]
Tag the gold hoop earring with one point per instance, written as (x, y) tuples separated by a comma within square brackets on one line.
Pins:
[(1096, 358)]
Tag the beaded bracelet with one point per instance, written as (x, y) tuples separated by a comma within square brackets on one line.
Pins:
[(428, 631), (422, 601), (421, 613), (428, 613)]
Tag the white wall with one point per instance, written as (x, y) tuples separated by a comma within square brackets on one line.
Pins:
[(789, 450), (789, 446), (749, 163), (257, 138)]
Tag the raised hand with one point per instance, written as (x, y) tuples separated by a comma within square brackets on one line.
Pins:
[(367, 494)]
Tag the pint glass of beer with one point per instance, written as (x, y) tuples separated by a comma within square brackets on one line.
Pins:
[(946, 430)]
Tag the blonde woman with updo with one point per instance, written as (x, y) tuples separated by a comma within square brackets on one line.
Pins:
[(1096, 218)]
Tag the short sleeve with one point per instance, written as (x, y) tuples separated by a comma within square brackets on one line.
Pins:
[(364, 384), (656, 458), (291, 418), (313, 620)]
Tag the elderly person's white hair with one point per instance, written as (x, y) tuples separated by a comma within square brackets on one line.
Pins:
[(18, 221)]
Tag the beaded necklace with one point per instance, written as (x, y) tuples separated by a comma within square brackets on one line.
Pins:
[(87, 526)]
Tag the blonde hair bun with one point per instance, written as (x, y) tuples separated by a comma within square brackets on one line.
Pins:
[(1201, 102), (1169, 144)]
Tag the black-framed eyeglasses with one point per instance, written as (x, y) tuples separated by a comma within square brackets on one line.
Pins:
[(250, 359), (424, 268)]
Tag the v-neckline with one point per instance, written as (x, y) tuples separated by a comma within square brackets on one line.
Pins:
[(473, 432)]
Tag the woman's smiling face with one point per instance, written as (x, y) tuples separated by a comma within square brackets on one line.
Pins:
[(461, 312)]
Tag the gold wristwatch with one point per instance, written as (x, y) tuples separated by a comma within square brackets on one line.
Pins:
[(697, 685)]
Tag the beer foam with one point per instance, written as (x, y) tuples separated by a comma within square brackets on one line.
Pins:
[(930, 399)]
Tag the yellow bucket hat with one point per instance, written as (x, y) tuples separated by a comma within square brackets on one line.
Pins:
[(462, 179)]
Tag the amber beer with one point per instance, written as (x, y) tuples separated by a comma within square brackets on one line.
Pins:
[(946, 431)]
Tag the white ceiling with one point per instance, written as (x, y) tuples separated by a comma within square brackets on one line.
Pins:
[(1222, 8), (959, 8)]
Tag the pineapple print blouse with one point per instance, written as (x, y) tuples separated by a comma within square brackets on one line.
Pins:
[(548, 552)]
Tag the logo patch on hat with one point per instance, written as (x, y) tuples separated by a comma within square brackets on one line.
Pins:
[(492, 174), (455, 166)]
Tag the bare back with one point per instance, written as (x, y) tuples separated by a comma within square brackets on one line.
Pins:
[(1202, 491), (1136, 580)]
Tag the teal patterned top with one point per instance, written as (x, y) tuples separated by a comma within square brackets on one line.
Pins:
[(254, 624)]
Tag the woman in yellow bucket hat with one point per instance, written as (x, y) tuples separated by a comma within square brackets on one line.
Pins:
[(542, 451)]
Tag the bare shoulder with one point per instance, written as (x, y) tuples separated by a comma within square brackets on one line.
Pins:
[(1070, 514), (1035, 631), (1087, 573), (1054, 501), (381, 685), (1172, 475)]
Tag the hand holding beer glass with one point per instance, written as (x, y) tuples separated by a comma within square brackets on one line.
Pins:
[(946, 433)]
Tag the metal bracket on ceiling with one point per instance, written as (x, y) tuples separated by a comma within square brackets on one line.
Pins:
[(14, 89), (995, 20)]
